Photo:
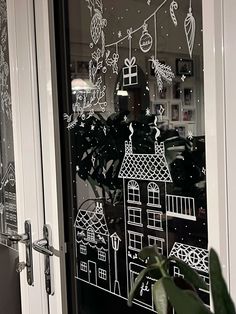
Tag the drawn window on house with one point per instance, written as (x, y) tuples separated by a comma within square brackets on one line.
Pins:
[(83, 266), (83, 249), (102, 274), (91, 235), (133, 192), (135, 241), (102, 256), (156, 241), (177, 272), (154, 219), (134, 216), (153, 194)]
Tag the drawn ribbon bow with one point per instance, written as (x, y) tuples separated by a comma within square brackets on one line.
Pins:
[(130, 62)]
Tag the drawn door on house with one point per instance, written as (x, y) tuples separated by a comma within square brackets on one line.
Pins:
[(133, 145)]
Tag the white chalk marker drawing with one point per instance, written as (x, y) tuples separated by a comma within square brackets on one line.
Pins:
[(113, 61), (190, 135), (105, 130), (5, 97), (183, 78), (119, 34), (130, 71), (145, 42), (190, 28), (161, 112), (148, 112), (144, 288), (125, 118), (204, 170), (92, 233), (173, 7), (195, 257), (115, 240), (93, 160), (148, 2), (162, 73), (104, 172), (8, 213), (181, 207)]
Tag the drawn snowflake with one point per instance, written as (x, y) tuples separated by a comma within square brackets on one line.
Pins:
[(148, 112), (190, 135), (119, 34)]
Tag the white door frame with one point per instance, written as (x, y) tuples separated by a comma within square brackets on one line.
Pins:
[(27, 148)]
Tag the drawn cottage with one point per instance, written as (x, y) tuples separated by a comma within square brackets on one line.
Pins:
[(93, 247)]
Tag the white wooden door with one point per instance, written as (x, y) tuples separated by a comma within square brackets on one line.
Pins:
[(32, 188)]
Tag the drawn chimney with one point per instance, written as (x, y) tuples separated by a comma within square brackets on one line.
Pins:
[(128, 144)]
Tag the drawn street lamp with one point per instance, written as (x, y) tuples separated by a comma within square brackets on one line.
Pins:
[(115, 240)]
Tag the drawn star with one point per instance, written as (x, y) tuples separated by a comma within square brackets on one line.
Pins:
[(148, 112), (92, 127), (125, 118), (148, 2), (82, 124), (183, 77), (190, 135), (119, 34), (204, 171)]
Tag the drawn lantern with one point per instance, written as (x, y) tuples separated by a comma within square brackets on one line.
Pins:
[(145, 42), (115, 240)]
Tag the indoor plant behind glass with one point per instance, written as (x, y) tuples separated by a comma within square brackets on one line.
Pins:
[(181, 293)]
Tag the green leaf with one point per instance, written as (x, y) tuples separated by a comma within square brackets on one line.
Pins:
[(148, 252), (183, 301), (222, 301), (160, 297), (190, 274), (139, 280)]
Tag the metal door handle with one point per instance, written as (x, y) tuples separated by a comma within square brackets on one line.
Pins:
[(42, 247), (26, 239)]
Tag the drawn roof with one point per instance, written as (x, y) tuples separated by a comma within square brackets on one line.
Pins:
[(92, 218), (195, 257), (146, 167), (5, 178)]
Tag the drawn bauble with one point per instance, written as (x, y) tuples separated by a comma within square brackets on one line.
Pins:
[(96, 27), (145, 42)]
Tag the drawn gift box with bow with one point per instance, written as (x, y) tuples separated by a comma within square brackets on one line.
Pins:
[(130, 72)]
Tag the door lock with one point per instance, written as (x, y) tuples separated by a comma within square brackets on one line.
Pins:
[(26, 239), (44, 246)]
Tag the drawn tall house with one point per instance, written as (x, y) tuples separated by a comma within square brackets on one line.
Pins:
[(147, 204), (93, 247)]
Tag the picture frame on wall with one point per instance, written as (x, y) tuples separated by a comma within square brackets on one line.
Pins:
[(161, 109), (184, 67), (175, 112), (188, 96), (176, 90), (188, 115)]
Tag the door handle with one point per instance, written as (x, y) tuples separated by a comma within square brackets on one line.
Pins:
[(43, 246), (26, 239)]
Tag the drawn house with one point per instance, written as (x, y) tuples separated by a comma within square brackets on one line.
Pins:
[(197, 258), (8, 215), (93, 247), (148, 205)]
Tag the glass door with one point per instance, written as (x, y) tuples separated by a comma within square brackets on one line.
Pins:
[(9, 256), (133, 146)]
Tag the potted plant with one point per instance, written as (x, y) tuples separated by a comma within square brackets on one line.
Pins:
[(181, 294)]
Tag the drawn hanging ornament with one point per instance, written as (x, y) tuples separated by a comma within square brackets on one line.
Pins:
[(190, 28), (130, 72), (145, 42), (174, 6), (97, 24)]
